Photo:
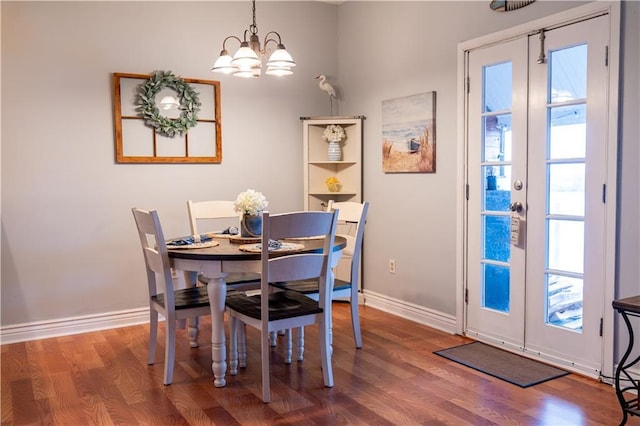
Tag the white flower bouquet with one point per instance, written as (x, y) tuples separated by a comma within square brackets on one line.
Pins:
[(250, 202), (333, 132)]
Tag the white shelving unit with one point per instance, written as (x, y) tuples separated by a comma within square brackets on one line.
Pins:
[(317, 168)]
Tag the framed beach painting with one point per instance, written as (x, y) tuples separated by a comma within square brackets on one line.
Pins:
[(409, 134)]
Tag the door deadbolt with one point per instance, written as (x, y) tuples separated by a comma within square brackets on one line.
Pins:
[(517, 185)]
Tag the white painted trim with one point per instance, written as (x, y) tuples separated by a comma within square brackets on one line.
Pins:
[(590, 9), (76, 325), (608, 335), (570, 15), (461, 202), (412, 312)]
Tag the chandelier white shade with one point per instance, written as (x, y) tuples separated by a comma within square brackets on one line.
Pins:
[(247, 61)]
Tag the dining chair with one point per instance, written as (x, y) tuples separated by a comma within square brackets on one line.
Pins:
[(163, 298), (351, 224), (218, 212), (271, 311)]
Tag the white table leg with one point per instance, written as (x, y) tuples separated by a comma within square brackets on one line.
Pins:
[(335, 258), (217, 290), (191, 280)]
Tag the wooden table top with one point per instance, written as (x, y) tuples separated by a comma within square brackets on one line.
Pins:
[(629, 304), (227, 250)]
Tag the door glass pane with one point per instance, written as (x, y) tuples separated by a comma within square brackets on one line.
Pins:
[(568, 74), (567, 136), (497, 138), (566, 189), (497, 87), (496, 287), (497, 198), (497, 243), (497, 194), (564, 301), (566, 245)]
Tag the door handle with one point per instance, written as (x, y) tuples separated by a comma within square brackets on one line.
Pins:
[(516, 206)]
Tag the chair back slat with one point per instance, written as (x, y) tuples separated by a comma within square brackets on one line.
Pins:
[(299, 225), (296, 267), (201, 211), (154, 250), (352, 214)]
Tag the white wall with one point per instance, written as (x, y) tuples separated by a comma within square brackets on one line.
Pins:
[(69, 245)]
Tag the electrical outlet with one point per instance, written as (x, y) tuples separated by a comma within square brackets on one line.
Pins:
[(392, 266)]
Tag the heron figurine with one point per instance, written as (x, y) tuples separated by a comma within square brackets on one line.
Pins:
[(326, 87)]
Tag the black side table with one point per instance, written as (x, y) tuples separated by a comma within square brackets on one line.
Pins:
[(629, 306)]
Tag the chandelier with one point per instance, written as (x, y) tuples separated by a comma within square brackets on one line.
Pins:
[(247, 61)]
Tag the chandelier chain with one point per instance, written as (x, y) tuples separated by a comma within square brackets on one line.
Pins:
[(254, 27)]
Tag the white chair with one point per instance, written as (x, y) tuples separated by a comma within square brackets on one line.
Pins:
[(351, 223), (284, 310), (222, 214), (163, 298)]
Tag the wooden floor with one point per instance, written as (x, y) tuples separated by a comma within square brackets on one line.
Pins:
[(102, 378)]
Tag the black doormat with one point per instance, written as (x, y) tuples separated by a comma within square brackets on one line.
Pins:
[(504, 365)]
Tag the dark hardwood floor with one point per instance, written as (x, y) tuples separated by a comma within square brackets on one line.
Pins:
[(102, 378)]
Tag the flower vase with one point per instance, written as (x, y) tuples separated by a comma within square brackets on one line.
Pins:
[(335, 152), (251, 226)]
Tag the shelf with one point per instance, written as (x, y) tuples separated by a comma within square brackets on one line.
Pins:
[(333, 162), (317, 167), (315, 193), (331, 119)]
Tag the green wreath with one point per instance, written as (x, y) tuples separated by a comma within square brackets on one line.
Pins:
[(189, 104)]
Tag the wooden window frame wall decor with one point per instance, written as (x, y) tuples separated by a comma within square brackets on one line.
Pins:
[(138, 142)]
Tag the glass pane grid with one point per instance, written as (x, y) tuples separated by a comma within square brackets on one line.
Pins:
[(565, 187), (495, 169)]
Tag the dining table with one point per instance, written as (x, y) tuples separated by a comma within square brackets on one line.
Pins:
[(215, 263)]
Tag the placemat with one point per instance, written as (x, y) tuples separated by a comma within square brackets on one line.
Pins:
[(222, 236), (315, 237), (257, 248), (237, 239), (191, 246), (230, 232)]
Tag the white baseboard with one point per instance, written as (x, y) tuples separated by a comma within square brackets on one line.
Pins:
[(412, 312), (85, 324), (76, 325)]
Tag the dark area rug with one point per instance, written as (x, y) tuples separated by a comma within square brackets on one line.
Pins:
[(504, 365)]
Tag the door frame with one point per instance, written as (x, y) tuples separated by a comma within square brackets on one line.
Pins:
[(612, 9)]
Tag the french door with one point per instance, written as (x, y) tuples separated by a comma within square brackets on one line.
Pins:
[(536, 175)]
